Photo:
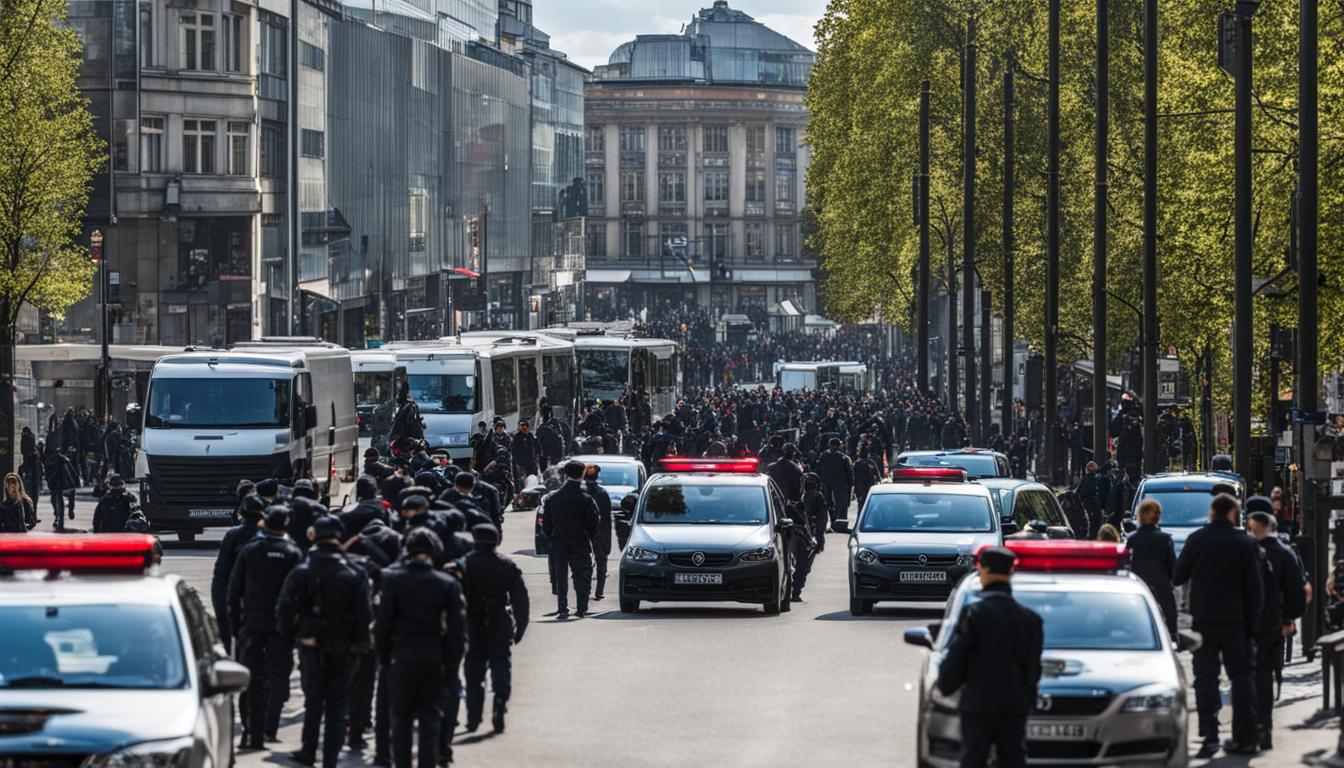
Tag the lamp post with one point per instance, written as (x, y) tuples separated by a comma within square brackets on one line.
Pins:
[(972, 414), (1100, 429), (1242, 343), (1051, 405), (1149, 326), (104, 357)]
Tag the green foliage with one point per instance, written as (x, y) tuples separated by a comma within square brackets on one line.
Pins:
[(48, 155), (864, 102)]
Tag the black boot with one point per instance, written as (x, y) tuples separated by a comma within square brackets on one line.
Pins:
[(1266, 739), (497, 720)]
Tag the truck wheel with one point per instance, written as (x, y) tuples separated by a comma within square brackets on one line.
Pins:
[(629, 606), (186, 537)]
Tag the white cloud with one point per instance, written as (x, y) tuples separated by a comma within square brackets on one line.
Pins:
[(796, 27), (589, 48)]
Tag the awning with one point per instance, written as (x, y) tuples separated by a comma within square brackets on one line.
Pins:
[(607, 275), (788, 307), (772, 275)]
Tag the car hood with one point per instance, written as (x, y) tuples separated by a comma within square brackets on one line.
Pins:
[(1116, 671), (1179, 533), (706, 537), (446, 428), (925, 542), (95, 720)]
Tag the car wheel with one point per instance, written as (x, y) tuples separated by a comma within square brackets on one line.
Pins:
[(186, 537), (629, 606)]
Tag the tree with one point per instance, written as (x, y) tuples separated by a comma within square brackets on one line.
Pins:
[(48, 155)]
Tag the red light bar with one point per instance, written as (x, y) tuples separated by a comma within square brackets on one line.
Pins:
[(99, 553), (928, 475), (746, 466), (1046, 556)]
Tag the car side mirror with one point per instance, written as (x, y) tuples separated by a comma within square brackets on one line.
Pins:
[(1129, 526), (1039, 526), (1058, 532), (1188, 640), (919, 636), (309, 416), (1009, 526), (226, 677), (840, 525), (783, 524), (934, 629)]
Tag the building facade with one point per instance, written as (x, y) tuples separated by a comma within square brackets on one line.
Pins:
[(694, 166)]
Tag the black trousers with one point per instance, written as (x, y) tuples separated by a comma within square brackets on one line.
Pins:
[(270, 659), (450, 703), (1268, 662), (382, 723), (801, 555), (493, 654), (575, 558), (840, 502), (1226, 646), (415, 688), (600, 556), (362, 683), (1006, 733), (325, 678)]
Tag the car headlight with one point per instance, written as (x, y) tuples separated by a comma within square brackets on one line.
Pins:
[(641, 555), (172, 753), (963, 561), (1151, 700), (757, 555), (866, 556)]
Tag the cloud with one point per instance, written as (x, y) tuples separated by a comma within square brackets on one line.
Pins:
[(796, 27), (589, 48)]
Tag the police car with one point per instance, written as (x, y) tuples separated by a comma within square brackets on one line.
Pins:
[(1112, 691), (707, 530), (1185, 498), (915, 536), (104, 662), (977, 462)]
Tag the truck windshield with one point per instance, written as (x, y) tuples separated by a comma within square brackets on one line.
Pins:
[(218, 402), (443, 392), (606, 372)]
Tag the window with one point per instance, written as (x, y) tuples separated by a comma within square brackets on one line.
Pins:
[(672, 138), (716, 138), (240, 159), (594, 140), (785, 181), (718, 243), (198, 146), (755, 240), (505, 386), (756, 144), (632, 138), (312, 57), (417, 207), (716, 186), (784, 140), (784, 241), (272, 150), (755, 193), (596, 189), (528, 387), (672, 187), (198, 41), (313, 143), (596, 245), (151, 144), (123, 138), (233, 43), (632, 186), (633, 234), (146, 42)]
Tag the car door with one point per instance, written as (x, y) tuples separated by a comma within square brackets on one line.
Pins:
[(206, 648), (779, 512)]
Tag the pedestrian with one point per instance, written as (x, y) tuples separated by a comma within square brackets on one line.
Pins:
[(1093, 489), (17, 512), (994, 661), (1152, 556), (406, 424), (800, 543), (817, 509), (1121, 498), (1222, 564), (788, 475), (527, 455), (497, 615), (63, 481), (304, 508), (250, 512), (602, 541), (1285, 601), (1108, 532), (420, 636), (254, 591), (569, 520), (367, 507), (114, 509), (324, 611)]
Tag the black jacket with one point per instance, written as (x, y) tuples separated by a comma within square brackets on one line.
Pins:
[(1152, 557), (1285, 598), (326, 599), (995, 657), (113, 510), (407, 422), (378, 542), (378, 469), (1222, 565), (17, 515), (358, 515), (230, 545), (602, 541), (552, 440), (526, 449), (302, 512), (836, 470), (570, 516), (789, 477), (60, 473), (497, 608), (470, 507), (421, 616), (444, 526), (254, 585)]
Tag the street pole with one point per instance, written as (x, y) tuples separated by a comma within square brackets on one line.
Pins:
[(922, 367), (986, 365), (952, 382), (1009, 363), (1051, 374), (1242, 343), (968, 235), (1149, 320), (1100, 412), (1316, 522)]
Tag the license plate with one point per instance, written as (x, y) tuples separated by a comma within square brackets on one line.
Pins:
[(924, 576), (1056, 731), (223, 512), (697, 578)]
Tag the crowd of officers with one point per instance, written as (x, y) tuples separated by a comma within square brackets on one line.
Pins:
[(77, 450)]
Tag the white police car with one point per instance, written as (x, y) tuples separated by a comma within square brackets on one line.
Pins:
[(1112, 691), (106, 664)]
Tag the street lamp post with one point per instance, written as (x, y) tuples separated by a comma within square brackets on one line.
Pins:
[(972, 414), (101, 407), (1052, 241), (1009, 363), (1242, 343), (1100, 428), (925, 283), (1149, 322)]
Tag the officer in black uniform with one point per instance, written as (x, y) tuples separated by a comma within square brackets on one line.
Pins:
[(569, 519), (837, 477), (114, 509), (303, 510), (1285, 602), (250, 511), (497, 614), (1153, 559), (420, 634), (602, 541), (367, 507), (444, 524), (788, 475), (994, 659), (254, 590), (1222, 565), (324, 610)]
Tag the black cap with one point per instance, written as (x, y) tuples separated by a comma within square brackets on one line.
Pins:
[(268, 487), (115, 479), (414, 501), (366, 487), (1258, 504), (253, 507), (245, 488), (327, 527), (304, 489), (997, 560), (465, 480), (372, 453), (485, 534), (420, 541), (277, 518)]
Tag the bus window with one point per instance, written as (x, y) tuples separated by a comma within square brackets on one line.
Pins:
[(558, 373), (505, 386), (528, 387), (639, 370)]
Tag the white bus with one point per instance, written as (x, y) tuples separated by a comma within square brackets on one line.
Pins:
[(794, 376), (558, 367), (612, 364), (375, 393)]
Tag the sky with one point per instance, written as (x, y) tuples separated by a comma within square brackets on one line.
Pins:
[(589, 30)]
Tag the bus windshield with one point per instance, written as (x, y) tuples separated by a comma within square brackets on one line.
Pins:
[(373, 387), (443, 392), (606, 372)]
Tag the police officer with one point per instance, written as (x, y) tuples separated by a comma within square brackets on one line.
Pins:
[(303, 510), (407, 424), (994, 659), (250, 511), (324, 610), (602, 541), (788, 475), (1222, 565), (374, 466), (497, 614), (114, 509), (1153, 559), (420, 634), (800, 543), (1285, 602), (526, 451), (462, 495), (551, 437), (569, 520), (817, 510), (837, 477), (415, 513), (254, 591), (367, 507)]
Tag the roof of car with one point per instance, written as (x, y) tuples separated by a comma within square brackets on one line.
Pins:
[(951, 452), (969, 488), (29, 587), (1123, 581), (1200, 481), (1010, 483), (711, 478), (603, 458)]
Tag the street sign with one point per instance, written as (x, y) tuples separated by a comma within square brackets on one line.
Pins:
[(114, 278), (1227, 42)]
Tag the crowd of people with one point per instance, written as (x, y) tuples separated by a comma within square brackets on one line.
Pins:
[(77, 451)]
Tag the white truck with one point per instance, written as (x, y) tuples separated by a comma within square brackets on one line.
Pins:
[(279, 408)]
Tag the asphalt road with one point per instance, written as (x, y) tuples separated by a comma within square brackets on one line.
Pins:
[(680, 684)]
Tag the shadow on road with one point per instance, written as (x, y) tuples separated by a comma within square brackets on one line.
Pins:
[(681, 613), (883, 613)]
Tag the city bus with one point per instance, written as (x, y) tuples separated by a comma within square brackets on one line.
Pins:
[(612, 364), (375, 398), (795, 376)]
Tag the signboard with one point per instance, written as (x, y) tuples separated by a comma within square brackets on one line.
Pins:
[(1227, 42)]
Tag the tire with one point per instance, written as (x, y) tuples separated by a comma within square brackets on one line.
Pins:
[(186, 537), (629, 606), (859, 607), (774, 606)]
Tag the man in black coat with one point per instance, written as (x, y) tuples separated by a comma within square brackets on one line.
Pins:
[(526, 452), (551, 437), (254, 591), (602, 541), (324, 610), (994, 659), (407, 424), (1152, 556), (1285, 602), (62, 481), (444, 524), (837, 477), (1223, 566), (788, 475), (303, 510), (367, 507), (114, 509), (420, 635), (570, 520), (250, 510), (497, 615), (374, 466)]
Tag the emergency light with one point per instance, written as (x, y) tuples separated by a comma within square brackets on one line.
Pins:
[(747, 466), (928, 475), (1053, 556), (83, 553)]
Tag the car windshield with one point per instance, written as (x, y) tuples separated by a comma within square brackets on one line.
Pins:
[(90, 646), (606, 372), (926, 512), (976, 465), (1094, 621), (1182, 508), (705, 505), (619, 474), (373, 387), (443, 392), (218, 402)]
